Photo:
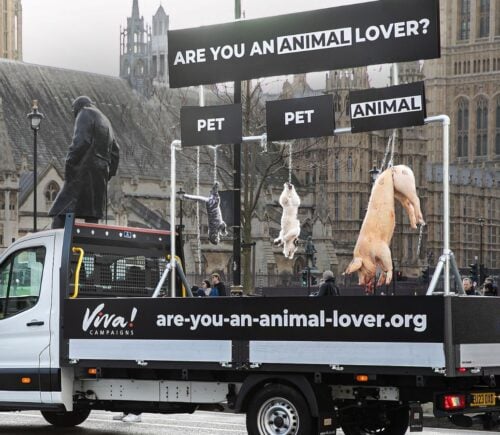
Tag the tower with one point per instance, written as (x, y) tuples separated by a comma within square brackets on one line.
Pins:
[(159, 50), (11, 30), (135, 52)]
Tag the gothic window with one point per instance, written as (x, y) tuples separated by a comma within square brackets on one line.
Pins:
[(497, 128), (336, 206), (347, 106), (162, 65), (155, 65), (2, 201), (349, 168), (463, 128), (337, 103), (410, 247), (336, 169), (139, 68), (13, 200), (464, 20), (349, 206), (51, 192), (484, 18), (482, 127)]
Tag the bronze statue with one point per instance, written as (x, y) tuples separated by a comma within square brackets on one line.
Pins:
[(91, 161)]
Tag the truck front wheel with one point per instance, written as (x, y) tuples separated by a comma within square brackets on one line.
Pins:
[(66, 419), (278, 409)]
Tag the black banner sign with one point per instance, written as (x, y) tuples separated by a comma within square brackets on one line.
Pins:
[(385, 108), (211, 125), (300, 118), (369, 33), (483, 314), (396, 319)]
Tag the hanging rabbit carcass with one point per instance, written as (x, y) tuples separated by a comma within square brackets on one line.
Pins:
[(290, 225)]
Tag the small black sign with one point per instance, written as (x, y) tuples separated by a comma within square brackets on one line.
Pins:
[(396, 319), (300, 118), (213, 125), (369, 33), (385, 108)]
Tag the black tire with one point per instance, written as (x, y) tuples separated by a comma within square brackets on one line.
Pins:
[(278, 409), (379, 422), (66, 419)]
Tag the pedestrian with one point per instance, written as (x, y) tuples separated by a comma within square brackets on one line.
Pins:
[(91, 161), (218, 284), (469, 286), (328, 288), (206, 289), (489, 287)]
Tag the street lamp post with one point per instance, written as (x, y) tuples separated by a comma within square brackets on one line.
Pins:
[(35, 118), (480, 268)]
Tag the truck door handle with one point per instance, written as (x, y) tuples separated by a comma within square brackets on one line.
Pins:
[(35, 323)]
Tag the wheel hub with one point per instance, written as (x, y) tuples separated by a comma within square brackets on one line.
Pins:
[(278, 416)]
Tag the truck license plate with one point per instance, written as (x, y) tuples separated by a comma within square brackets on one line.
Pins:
[(483, 399)]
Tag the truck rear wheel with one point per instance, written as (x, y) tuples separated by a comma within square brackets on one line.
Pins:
[(378, 421), (278, 409), (66, 419)]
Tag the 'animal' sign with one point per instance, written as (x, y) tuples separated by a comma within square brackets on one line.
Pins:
[(384, 108), (327, 39)]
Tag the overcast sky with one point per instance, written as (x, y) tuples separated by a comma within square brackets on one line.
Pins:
[(85, 34)]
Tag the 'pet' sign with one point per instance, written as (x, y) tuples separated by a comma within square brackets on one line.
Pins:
[(211, 125), (386, 108), (383, 31), (300, 118)]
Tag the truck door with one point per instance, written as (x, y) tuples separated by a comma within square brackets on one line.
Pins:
[(25, 302)]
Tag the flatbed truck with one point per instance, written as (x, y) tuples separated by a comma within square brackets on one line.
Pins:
[(80, 330)]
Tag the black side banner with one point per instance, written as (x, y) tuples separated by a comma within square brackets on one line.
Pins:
[(211, 125), (300, 118), (369, 33), (385, 108), (396, 319)]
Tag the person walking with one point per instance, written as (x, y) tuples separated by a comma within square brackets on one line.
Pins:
[(328, 288)]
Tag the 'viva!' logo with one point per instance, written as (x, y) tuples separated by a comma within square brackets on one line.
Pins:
[(100, 323)]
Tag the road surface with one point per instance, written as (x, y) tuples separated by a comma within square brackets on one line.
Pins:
[(200, 423)]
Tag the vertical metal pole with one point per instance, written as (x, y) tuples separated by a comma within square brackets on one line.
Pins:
[(35, 181), (237, 181), (172, 215), (446, 202)]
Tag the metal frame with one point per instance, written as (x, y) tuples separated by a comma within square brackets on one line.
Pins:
[(446, 259), (174, 146)]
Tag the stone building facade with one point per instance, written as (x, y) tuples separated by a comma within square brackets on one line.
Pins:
[(465, 84), (11, 29)]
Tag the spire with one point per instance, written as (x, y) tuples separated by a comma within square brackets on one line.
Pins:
[(135, 9)]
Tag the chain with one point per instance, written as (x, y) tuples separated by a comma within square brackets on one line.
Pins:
[(215, 147), (420, 237), (389, 148), (290, 162)]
